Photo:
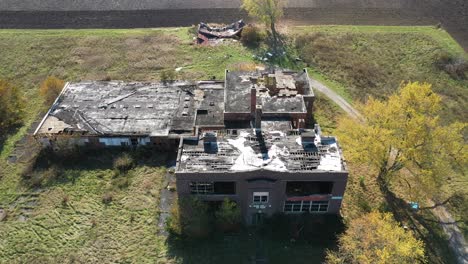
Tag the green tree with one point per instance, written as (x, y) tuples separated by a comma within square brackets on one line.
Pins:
[(50, 89), (11, 107), (406, 132), (228, 216), (377, 238), (267, 11)]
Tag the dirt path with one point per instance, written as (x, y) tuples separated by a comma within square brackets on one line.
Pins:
[(340, 101), (456, 240)]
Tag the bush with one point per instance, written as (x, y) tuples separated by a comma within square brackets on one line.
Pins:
[(124, 163), (168, 76), (107, 198), (50, 89), (457, 68), (11, 107), (228, 216), (252, 36), (65, 200), (193, 31), (189, 217)]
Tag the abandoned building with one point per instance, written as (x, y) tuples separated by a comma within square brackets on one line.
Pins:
[(248, 137)]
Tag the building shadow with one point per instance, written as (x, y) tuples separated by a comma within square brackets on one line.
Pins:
[(280, 239)]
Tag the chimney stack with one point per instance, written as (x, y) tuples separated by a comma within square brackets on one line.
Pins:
[(258, 116), (253, 99), (301, 123)]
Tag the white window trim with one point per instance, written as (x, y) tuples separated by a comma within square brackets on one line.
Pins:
[(261, 194), (320, 205)]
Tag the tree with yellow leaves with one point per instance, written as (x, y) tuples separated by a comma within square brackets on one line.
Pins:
[(406, 132), (376, 238), (267, 11)]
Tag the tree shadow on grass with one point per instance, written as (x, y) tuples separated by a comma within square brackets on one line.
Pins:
[(281, 239), (429, 231), (279, 53)]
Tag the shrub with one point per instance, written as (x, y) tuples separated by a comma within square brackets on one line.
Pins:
[(11, 107), (193, 31), (107, 198), (167, 76), (228, 216), (65, 199), (457, 68), (123, 163), (252, 36), (174, 222), (50, 89), (189, 217)]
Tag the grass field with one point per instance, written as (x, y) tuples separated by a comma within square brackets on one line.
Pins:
[(373, 60), (41, 228)]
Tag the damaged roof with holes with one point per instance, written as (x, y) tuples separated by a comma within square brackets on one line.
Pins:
[(283, 93), (210, 110), (119, 108), (250, 150)]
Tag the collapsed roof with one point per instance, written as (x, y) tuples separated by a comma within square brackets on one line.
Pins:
[(250, 150), (119, 108), (277, 92), (179, 108), (207, 33)]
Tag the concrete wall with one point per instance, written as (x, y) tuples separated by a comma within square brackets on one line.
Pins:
[(106, 5), (264, 181)]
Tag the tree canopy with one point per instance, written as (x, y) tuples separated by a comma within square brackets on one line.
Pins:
[(11, 107), (377, 238), (406, 132), (267, 11)]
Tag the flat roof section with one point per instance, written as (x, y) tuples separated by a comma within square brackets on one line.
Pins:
[(250, 150), (119, 108)]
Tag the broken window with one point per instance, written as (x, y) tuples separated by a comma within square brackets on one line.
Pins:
[(306, 206), (260, 197), (219, 188), (306, 188)]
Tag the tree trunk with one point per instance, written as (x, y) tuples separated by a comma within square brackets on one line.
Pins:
[(275, 38)]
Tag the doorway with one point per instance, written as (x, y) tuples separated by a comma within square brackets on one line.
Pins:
[(258, 219)]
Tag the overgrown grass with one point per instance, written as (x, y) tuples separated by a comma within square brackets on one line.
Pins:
[(373, 61), (67, 219)]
